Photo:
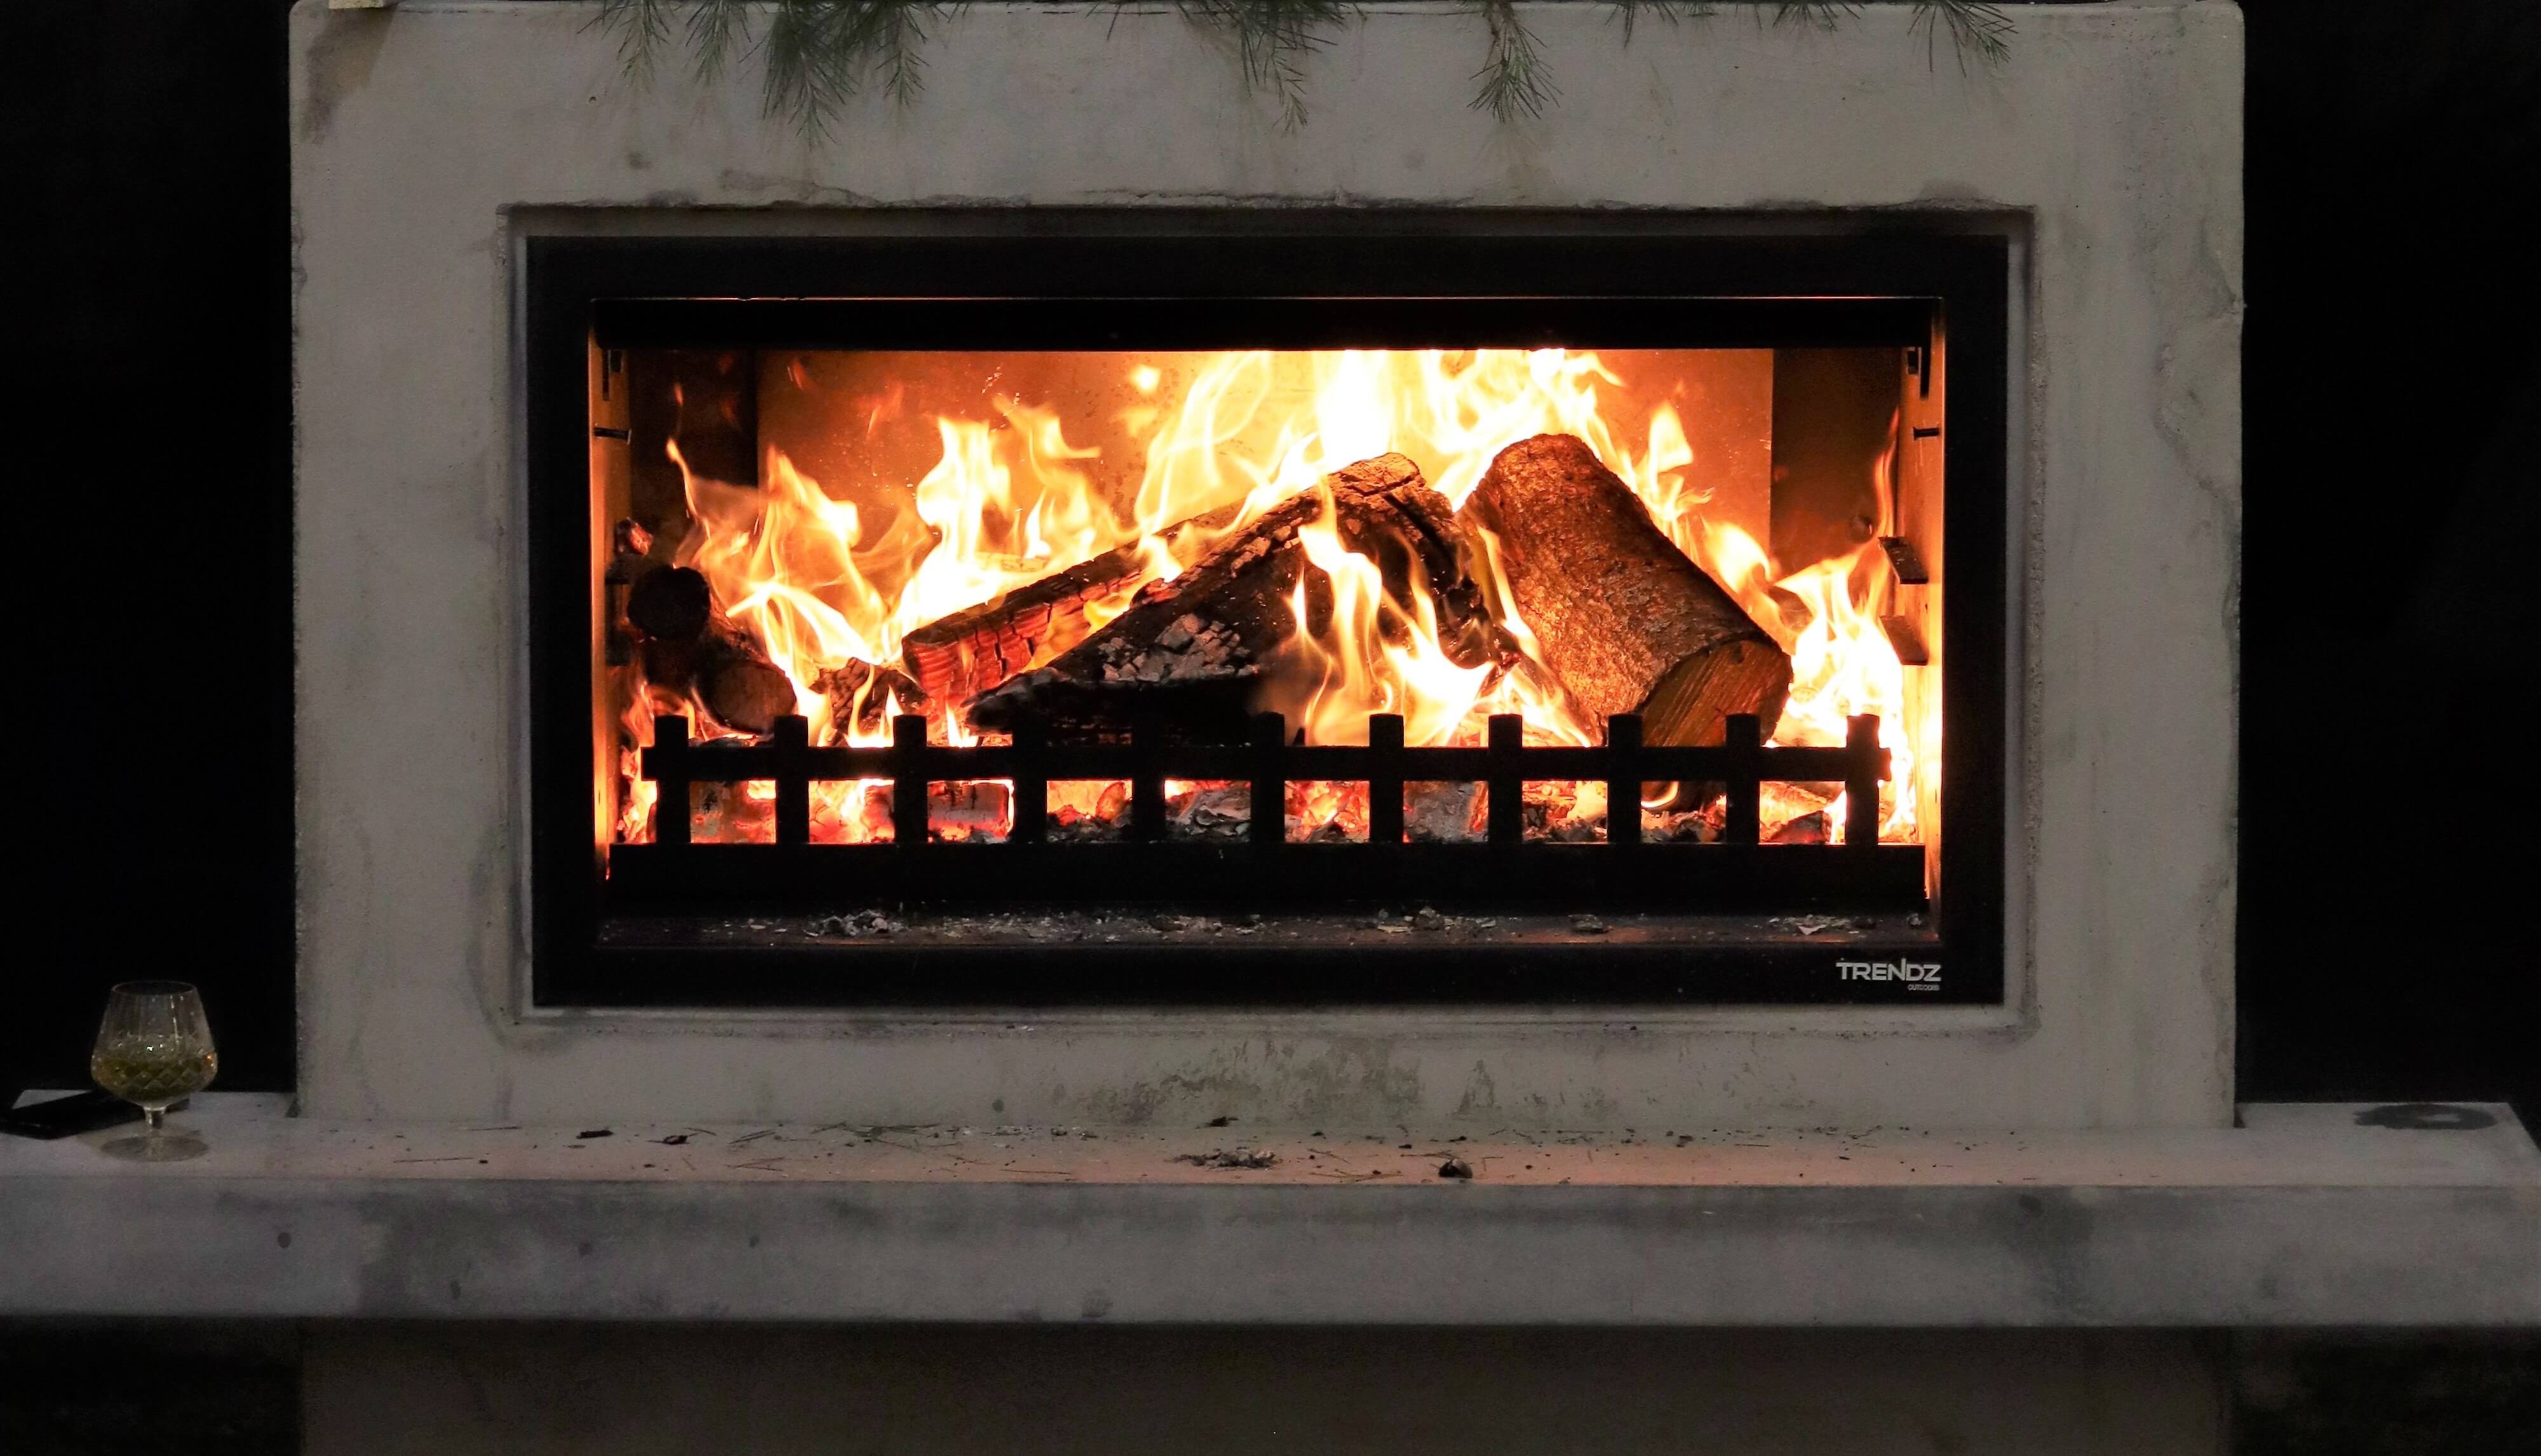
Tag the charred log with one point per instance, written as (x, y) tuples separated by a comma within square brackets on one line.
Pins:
[(692, 647), (863, 695), (1190, 653), (670, 604), (958, 657), (1627, 622)]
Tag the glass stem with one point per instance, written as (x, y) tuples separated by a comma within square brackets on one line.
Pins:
[(157, 1117)]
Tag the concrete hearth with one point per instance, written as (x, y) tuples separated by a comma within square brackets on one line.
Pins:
[(2304, 1217), (791, 1288)]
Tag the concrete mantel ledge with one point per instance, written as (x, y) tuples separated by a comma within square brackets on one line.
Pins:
[(2308, 1214)]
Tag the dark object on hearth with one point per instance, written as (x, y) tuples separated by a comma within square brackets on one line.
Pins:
[(2427, 1116), (1455, 1167), (1192, 653), (596, 1132), (68, 1117), (690, 646), (1628, 623)]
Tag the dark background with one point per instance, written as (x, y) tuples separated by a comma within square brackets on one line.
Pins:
[(2387, 941)]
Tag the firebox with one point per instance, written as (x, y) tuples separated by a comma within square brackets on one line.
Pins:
[(1278, 609)]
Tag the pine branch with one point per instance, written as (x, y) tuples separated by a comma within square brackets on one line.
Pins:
[(1273, 40), (1514, 81), (642, 26), (1975, 27), (820, 52), (1671, 11), (716, 28), (1821, 15)]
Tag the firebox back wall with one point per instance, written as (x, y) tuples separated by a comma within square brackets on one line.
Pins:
[(432, 139)]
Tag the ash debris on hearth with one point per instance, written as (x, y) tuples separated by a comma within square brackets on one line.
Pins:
[(1130, 926), (855, 926), (1824, 924), (1232, 1158)]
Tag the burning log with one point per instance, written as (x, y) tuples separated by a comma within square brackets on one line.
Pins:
[(958, 657), (1627, 622), (1190, 652), (863, 695), (691, 646)]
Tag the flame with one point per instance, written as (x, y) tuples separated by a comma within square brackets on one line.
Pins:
[(1826, 616), (822, 581), (1366, 654)]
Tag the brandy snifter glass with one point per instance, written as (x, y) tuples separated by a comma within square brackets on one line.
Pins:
[(153, 1050)]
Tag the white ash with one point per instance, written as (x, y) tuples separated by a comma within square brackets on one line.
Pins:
[(854, 926), (1441, 813), (1211, 811)]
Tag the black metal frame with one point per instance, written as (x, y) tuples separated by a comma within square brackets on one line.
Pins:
[(1150, 281)]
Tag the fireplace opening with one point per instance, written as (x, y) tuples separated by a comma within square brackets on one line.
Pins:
[(1286, 618)]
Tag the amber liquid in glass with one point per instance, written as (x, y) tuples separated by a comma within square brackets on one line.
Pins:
[(142, 1074)]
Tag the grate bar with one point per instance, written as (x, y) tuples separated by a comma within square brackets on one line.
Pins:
[(1504, 763)]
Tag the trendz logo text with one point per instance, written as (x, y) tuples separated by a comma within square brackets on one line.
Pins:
[(1919, 976)]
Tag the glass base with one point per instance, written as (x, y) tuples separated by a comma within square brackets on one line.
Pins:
[(168, 1147)]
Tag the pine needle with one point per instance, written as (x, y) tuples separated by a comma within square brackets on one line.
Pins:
[(1975, 27), (820, 52), (1514, 81), (715, 29), (642, 26), (1671, 11), (1273, 40), (1819, 15)]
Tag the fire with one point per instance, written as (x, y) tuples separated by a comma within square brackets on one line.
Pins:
[(821, 582), (1365, 655)]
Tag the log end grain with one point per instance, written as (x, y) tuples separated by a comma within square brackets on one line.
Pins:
[(1627, 622)]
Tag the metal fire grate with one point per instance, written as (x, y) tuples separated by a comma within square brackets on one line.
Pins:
[(1266, 870)]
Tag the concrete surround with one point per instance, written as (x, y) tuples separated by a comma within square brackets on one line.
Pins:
[(428, 140)]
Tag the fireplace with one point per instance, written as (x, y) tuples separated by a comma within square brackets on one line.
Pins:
[(1269, 607), (2052, 248)]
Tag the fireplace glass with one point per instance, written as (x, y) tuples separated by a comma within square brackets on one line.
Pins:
[(1297, 615)]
